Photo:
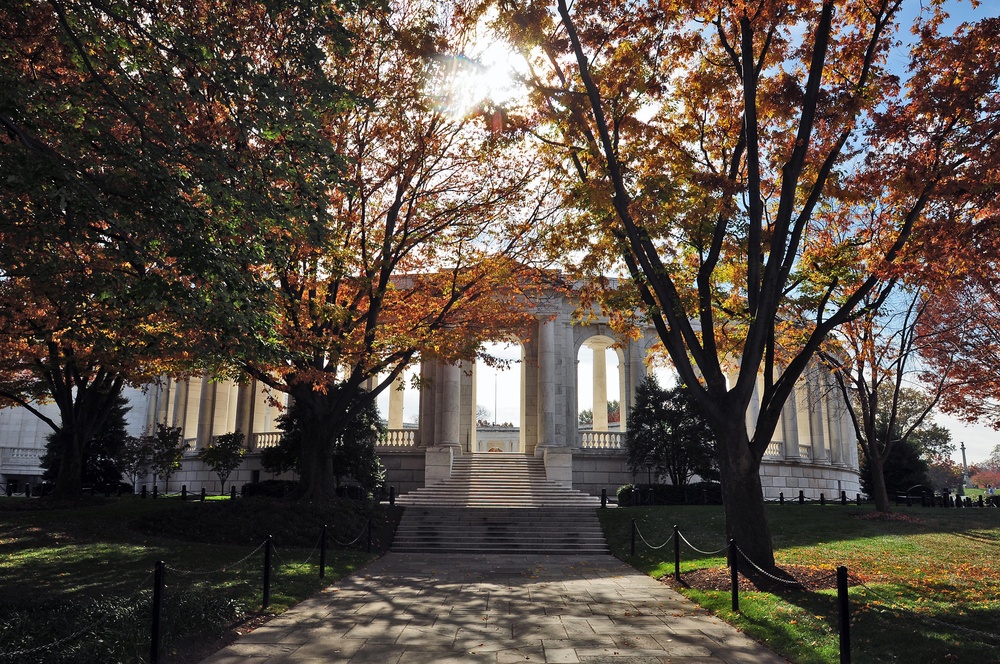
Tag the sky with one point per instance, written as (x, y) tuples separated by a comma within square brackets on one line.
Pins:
[(502, 388)]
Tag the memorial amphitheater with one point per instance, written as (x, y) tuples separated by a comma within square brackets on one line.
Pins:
[(814, 449)]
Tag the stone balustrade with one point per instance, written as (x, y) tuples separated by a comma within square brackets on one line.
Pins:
[(602, 440)]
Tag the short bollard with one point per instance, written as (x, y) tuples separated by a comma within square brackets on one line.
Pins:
[(142, 494), (843, 497), (267, 573), (632, 548), (154, 644), (322, 553), (734, 574), (980, 499), (203, 493), (604, 499), (822, 499), (27, 491), (781, 497), (156, 490), (677, 554), (858, 498), (845, 616), (802, 497), (184, 492), (232, 492), (392, 496)]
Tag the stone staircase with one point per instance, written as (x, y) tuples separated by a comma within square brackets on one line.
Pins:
[(499, 503)]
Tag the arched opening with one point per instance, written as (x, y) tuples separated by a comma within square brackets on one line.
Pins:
[(499, 398), (600, 384), (399, 407)]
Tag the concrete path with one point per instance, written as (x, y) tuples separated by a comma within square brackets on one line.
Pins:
[(409, 607)]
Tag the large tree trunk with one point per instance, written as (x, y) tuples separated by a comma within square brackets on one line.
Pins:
[(69, 481), (880, 494), (743, 495), (320, 419)]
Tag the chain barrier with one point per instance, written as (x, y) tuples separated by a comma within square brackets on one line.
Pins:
[(281, 561), (639, 532), (900, 608), (757, 567), (78, 633), (224, 568), (697, 550), (354, 541)]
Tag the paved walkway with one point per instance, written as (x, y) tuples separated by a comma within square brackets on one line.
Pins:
[(409, 607)]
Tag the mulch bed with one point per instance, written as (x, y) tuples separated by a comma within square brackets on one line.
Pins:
[(717, 578)]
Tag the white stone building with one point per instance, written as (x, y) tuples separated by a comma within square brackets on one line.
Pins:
[(814, 449)]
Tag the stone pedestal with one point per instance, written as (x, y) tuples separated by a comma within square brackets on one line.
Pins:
[(559, 466), (437, 464)]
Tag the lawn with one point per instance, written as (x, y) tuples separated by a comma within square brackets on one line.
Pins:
[(80, 575), (926, 589)]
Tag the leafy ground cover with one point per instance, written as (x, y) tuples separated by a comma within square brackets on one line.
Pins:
[(79, 575), (924, 586)]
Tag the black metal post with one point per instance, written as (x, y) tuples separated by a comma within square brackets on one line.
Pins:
[(155, 491), (604, 499), (677, 554), (633, 538), (232, 492), (369, 534), (322, 553), (203, 492), (858, 498), (734, 574), (822, 499), (781, 497), (392, 496), (154, 641), (184, 492), (267, 573), (143, 493), (802, 497), (27, 490), (843, 497), (845, 616)]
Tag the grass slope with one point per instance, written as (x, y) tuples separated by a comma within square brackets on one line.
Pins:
[(923, 590), (80, 574)]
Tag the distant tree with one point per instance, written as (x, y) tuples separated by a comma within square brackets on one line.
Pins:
[(985, 478), (903, 469), (136, 458), (223, 456), (614, 414), (943, 473), (167, 449), (668, 432), (992, 462), (587, 417), (484, 416)]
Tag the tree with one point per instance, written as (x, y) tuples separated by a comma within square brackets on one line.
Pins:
[(102, 457), (421, 248), (874, 357), (351, 452), (136, 458), (146, 151), (945, 474), (666, 431), (166, 451), (223, 456), (902, 470), (758, 170)]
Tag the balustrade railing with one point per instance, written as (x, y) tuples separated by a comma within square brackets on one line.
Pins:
[(773, 450), (260, 441), (399, 438), (22, 457), (602, 440)]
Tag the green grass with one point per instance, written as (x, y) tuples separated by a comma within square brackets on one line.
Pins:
[(928, 591), (64, 567)]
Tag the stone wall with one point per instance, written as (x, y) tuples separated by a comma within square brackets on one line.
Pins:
[(403, 469), (812, 479), (594, 470)]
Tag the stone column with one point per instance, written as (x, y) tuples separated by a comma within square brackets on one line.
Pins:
[(245, 408), (600, 376), (546, 384), (206, 411), (396, 402), (451, 407)]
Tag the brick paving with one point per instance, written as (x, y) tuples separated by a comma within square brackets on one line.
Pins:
[(410, 607)]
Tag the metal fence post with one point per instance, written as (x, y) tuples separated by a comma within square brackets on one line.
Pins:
[(845, 616), (184, 492), (322, 553), (677, 554), (734, 574), (267, 573), (604, 498), (154, 641), (392, 496), (633, 538)]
